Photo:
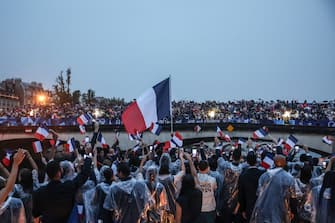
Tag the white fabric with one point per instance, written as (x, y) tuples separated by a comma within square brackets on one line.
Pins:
[(148, 107), (208, 187)]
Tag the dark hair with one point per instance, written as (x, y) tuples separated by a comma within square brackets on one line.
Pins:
[(203, 165), (108, 174), (26, 179), (306, 174), (328, 182), (124, 169), (251, 158), (187, 184), (212, 162), (236, 154), (52, 169)]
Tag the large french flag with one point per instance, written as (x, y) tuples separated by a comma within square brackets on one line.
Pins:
[(70, 145), (260, 133), (41, 133), (152, 106), (37, 146)]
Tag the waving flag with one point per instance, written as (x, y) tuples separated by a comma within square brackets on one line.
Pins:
[(152, 106), (82, 129), (267, 162), (280, 141), (290, 142), (219, 132), (84, 119), (37, 146), (327, 140), (226, 138), (260, 133), (6, 159), (41, 133), (70, 145), (155, 128), (177, 140), (102, 141)]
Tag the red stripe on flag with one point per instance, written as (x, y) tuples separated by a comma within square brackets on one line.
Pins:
[(133, 120)]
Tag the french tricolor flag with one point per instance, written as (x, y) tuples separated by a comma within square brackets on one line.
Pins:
[(152, 106), (226, 138), (70, 145), (37, 146), (219, 132), (267, 162), (260, 133), (327, 140), (102, 141), (137, 137), (177, 140), (290, 142), (280, 141), (84, 119), (41, 133), (6, 159), (155, 128), (82, 129)]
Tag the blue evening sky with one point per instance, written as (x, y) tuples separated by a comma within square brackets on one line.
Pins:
[(214, 50)]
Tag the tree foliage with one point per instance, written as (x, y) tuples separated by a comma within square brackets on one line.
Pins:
[(62, 88)]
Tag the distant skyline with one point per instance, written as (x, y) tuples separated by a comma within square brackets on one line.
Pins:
[(214, 50)]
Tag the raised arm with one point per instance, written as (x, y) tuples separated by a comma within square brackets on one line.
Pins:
[(18, 158)]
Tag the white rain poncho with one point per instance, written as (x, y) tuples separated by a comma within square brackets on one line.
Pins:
[(128, 199), (158, 201), (276, 188), (12, 211)]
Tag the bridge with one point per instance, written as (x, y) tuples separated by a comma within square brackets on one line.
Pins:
[(307, 135)]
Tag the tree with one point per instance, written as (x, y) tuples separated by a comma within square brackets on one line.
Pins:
[(76, 97), (62, 89), (89, 97)]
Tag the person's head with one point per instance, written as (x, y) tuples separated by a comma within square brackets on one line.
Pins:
[(280, 161), (306, 174), (67, 169), (26, 178), (203, 166), (212, 162), (107, 174), (151, 174), (187, 183), (251, 158), (236, 155), (164, 164), (53, 170), (123, 170)]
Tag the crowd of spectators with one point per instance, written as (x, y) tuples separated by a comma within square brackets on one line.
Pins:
[(152, 185), (244, 111)]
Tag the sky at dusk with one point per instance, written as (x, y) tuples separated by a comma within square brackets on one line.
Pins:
[(213, 50)]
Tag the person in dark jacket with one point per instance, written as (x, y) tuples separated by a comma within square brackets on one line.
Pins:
[(247, 186), (54, 201)]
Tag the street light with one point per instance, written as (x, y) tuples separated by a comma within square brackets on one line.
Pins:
[(41, 99), (211, 114)]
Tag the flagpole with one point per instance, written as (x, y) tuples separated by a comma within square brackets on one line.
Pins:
[(171, 119)]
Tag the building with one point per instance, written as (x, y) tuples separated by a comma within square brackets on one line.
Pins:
[(8, 100), (27, 93)]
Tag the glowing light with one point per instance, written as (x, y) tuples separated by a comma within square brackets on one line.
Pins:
[(41, 98), (31, 113), (211, 114), (97, 113), (287, 115)]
